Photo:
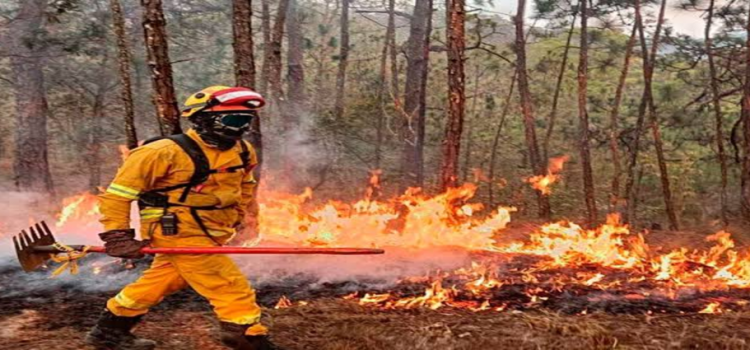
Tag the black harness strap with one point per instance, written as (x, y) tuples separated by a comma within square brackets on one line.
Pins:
[(200, 175)]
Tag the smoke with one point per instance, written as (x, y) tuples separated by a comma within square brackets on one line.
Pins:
[(17, 211)]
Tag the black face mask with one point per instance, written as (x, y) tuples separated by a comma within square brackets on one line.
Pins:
[(223, 130)]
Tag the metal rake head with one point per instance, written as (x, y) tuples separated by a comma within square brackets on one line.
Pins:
[(29, 258)]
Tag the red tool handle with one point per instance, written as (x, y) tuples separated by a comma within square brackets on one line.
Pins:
[(228, 250)]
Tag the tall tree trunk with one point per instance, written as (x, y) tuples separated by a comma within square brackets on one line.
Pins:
[(94, 144), (583, 116), (558, 87), (384, 94), (454, 32), (265, 16), (721, 154), (157, 49), (124, 58), (391, 40), (244, 65), (338, 111), (470, 125), (537, 166), (654, 119), (244, 53), (640, 120), (30, 164), (745, 178), (496, 140), (274, 54), (295, 60), (614, 121), (412, 130)]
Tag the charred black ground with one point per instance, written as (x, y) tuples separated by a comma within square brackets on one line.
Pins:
[(574, 317)]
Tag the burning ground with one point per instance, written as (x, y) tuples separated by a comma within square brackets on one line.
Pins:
[(456, 275)]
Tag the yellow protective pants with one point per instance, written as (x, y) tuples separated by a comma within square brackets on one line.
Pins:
[(215, 277)]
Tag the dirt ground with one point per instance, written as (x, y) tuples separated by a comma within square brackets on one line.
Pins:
[(184, 321)]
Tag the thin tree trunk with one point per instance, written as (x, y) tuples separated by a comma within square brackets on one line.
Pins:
[(614, 121), (295, 60), (412, 129), (157, 49), (30, 164), (470, 125), (745, 178), (454, 32), (266, 29), (583, 116), (658, 144), (640, 120), (496, 141), (558, 87), (383, 92), (538, 167), (124, 59), (94, 146), (340, 104), (274, 54), (721, 154), (393, 49)]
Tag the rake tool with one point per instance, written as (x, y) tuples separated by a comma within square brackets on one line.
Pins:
[(36, 248)]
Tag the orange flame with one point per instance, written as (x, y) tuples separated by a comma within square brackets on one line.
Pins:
[(543, 183)]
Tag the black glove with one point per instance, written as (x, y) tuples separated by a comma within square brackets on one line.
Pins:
[(122, 244)]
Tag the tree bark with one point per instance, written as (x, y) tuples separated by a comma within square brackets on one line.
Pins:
[(496, 140), (614, 121), (94, 144), (124, 60), (384, 93), (558, 87), (716, 100), (640, 120), (583, 116), (295, 60), (244, 53), (338, 111), (244, 66), (30, 164), (412, 130), (157, 49), (537, 166), (266, 29), (274, 54), (745, 178), (455, 35), (653, 116)]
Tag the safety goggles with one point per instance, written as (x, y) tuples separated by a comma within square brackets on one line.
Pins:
[(234, 120)]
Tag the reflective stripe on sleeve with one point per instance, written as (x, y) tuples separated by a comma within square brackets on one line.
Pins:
[(123, 191), (152, 213)]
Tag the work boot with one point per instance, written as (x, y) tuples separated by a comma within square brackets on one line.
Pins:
[(233, 336), (113, 333)]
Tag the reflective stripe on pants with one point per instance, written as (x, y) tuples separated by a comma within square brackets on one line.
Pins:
[(215, 277)]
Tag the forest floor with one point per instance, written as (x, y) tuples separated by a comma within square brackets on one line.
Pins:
[(185, 322), (58, 314)]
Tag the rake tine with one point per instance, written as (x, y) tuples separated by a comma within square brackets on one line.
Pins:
[(25, 240), (47, 231), (15, 244), (39, 229), (34, 235)]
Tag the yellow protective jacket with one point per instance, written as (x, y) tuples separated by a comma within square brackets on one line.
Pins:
[(162, 164)]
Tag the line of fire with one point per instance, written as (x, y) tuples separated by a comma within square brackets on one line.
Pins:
[(367, 175)]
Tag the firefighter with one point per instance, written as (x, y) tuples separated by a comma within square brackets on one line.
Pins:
[(192, 190)]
